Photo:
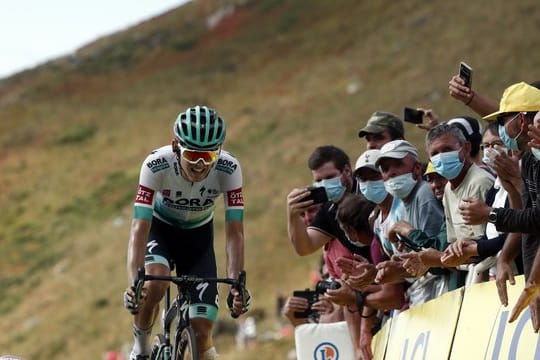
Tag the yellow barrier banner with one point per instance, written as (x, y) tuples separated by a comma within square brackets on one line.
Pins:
[(379, 341), (483, 331), (425, 331)]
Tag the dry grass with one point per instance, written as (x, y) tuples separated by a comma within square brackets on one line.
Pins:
[(72, 139)]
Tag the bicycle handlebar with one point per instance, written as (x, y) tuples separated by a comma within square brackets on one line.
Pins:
[(186, 280)]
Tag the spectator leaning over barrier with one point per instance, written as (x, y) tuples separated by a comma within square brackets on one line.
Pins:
[(491, 243), (402, 175), (517, 111), (382, 127), (330, 167), (352, 215)]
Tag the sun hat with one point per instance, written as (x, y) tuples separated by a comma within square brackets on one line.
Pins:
[(516, 98)]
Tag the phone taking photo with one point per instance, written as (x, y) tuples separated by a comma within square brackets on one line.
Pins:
[(465, 72), (317, 194), (412, 115)]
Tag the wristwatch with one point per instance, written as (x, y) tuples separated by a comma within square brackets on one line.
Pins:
[(492, 217)]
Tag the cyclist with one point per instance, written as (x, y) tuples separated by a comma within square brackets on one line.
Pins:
[(173, 225)]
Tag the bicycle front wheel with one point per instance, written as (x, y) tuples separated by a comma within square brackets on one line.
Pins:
[(160, 349), (186, 345)]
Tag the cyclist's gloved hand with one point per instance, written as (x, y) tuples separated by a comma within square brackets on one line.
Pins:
[(130, 300), (234, 302)]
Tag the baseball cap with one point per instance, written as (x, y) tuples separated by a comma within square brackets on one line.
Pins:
[(367, 160), (397, 149), (516, 98), (380, 121)]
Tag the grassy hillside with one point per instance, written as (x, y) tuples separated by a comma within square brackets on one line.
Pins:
[(74, 132)]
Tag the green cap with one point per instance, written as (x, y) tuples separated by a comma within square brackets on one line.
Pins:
[(380, 121)]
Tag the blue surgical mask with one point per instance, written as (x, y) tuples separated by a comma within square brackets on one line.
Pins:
[(536, 153), (447, 164), (400, 186), (334, 188), (487, 160), (374, 191), (510, 142)]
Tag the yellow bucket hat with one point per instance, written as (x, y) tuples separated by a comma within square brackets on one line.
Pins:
[(516, 98)]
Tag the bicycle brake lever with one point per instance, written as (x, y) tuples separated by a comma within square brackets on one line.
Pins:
[(240, 286), (139, 283)]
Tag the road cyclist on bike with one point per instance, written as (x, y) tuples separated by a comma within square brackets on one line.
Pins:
[(172, 225)]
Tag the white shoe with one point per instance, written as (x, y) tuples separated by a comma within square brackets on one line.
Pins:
[(132, 356)]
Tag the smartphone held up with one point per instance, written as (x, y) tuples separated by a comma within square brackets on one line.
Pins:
[(465, 72), (413, 115)]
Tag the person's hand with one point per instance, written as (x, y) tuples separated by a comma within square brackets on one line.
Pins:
[(295, 203), (323, 307), (458, 90), (474, 211), (507, 168), (529, 297), (504, 274), (459, 252), (342, 296), (412, 262), (130, 299), (402, 228), (390, 271), (294, 304), (432, 117), (534, 135), (234, 302), (365, 345), (358, 272)]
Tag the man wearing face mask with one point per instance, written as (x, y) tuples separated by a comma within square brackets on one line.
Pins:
[(402, 174), (518, 109), (449, 153), (331, 169)]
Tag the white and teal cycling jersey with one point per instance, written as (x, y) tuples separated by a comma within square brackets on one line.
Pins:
[(164, 193)]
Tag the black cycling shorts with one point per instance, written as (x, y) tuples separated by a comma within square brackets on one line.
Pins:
[(190, 252)]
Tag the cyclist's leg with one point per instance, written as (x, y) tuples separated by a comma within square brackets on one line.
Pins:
[(197, 257), (156, 263)]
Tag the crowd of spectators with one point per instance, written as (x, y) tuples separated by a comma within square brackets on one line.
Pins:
[(396, 232)]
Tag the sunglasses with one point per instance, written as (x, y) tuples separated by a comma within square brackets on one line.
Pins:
[(194, 156)]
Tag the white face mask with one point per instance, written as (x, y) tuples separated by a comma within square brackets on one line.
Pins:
[(400, 186)]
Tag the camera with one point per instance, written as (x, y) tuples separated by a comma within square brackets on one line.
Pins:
[(324, 285)]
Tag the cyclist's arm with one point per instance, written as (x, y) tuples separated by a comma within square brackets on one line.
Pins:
[(234, 233), (140, 228)]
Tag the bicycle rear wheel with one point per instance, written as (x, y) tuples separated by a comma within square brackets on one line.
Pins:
[(159, 348), (186, 345)]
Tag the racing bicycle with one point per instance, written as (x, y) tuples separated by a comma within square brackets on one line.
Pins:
[(184, 344)]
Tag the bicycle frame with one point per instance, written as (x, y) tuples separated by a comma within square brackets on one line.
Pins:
[(179, 307)]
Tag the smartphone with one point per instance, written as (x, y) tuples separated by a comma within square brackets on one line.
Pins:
[(408, 243), (311, 296), (465, 72), (412, 115), (318, 195)]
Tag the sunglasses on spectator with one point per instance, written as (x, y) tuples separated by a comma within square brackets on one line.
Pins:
[(208, 157)]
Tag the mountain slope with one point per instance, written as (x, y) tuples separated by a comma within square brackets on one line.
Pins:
[(74, 132)]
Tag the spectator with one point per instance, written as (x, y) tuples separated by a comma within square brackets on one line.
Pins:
[(472, 130), (436, 182), (449, 152), (382, 127), (352, 216), (518, 109), (481, 104), (330, 167), (402, 175), (371, 186)]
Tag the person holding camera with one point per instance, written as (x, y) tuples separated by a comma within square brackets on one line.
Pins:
[(331, 169)]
